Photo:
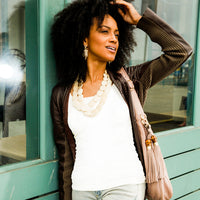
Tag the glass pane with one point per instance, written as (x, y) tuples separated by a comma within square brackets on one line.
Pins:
[(12, 82), (169, 103)]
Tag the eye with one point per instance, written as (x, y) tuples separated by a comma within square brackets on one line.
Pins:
[(104, 31)]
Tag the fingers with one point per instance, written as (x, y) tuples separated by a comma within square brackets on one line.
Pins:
[(127, 11), (121, 2), (125, 6), (121, 12)]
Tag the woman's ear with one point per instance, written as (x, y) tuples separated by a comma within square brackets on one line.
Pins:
[(85, 42)]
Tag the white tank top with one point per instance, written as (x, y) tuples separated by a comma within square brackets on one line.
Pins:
[(105, 151)]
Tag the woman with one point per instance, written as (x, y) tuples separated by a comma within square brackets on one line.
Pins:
[(99, 156)]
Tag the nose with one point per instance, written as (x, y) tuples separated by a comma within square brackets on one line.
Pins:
[(113, 38)]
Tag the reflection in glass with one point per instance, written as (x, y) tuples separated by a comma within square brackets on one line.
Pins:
[(169, 103), (12, 82)]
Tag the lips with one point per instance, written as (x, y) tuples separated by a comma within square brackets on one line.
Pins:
[(111, 48)]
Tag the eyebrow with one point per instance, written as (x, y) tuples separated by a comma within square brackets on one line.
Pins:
[(106, 27)]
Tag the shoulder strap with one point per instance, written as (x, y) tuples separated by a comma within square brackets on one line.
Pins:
[(137, 107), (140, 116)]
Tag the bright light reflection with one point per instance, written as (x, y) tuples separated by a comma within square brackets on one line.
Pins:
[(6, 71)]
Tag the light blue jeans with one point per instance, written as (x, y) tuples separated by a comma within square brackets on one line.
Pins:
[(124, 192)]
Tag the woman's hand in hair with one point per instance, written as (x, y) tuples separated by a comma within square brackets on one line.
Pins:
[(128, 12)]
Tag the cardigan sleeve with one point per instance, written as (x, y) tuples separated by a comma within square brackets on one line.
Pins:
[(65, 156), (175, 51)]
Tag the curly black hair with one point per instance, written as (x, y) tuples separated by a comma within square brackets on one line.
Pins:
[(72, 25)]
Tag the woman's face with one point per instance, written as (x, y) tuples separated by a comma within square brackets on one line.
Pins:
[(103, 41)]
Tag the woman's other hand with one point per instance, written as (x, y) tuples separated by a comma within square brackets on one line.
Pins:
[(129, 13)]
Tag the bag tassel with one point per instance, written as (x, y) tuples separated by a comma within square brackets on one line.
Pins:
[(152, 170), (160, 164)]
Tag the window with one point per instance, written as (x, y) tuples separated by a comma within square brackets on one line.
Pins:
[(169, 103), (13, 94)]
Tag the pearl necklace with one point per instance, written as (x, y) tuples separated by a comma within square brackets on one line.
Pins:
[(94, 105)]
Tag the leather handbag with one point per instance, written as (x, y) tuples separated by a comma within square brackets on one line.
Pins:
[(158, 185)]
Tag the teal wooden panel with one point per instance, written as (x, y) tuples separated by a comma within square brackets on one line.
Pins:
[(186, 184), (68, 1), (32, 80), (179, 141), (29, 182), (193, 196), (196, 109), (19, 165), (183, 163), (54, 196), (47, 10)]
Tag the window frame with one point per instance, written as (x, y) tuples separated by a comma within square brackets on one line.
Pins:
[(38, 174)]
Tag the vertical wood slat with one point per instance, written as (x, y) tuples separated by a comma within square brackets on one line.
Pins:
[(32, 80), (196, 92), (47, 75)]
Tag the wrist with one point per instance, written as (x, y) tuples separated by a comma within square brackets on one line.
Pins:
[(137, 19)]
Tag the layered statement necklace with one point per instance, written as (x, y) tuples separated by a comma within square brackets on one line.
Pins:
[(92, 107)]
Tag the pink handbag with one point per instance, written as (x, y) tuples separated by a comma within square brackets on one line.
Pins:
[(157, 181)]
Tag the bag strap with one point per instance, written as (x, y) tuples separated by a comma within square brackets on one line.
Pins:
[(137, 107), (154, 164)]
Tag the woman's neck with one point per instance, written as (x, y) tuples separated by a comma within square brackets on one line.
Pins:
[(95, 71)]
